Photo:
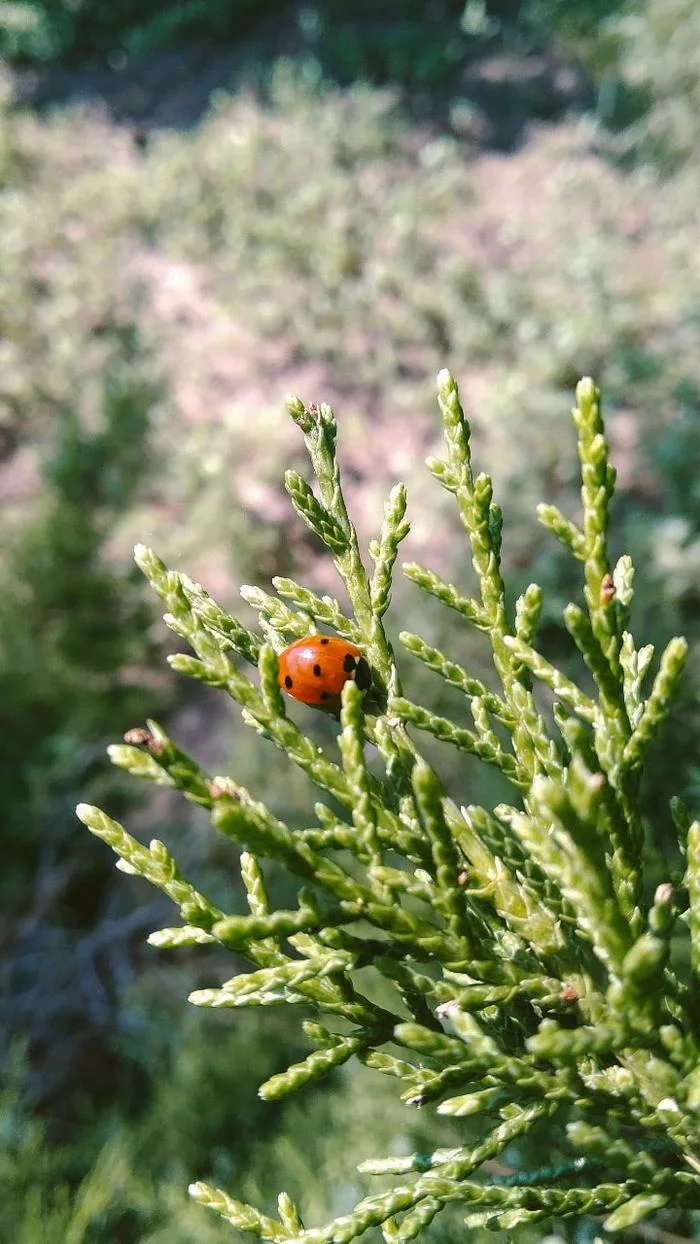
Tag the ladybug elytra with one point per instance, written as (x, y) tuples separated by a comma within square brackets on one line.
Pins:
[(315, 669)]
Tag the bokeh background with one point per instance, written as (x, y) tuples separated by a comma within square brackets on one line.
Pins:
[(204, 206)]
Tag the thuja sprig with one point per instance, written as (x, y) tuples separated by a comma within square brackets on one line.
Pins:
[(481, 518), (369, 598), (524, 980)]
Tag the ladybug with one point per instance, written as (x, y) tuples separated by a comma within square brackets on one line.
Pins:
[(315, 669)]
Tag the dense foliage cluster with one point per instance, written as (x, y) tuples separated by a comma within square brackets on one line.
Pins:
[(527, 977)]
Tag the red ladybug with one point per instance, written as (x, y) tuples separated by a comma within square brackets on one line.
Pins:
[(315, 669)]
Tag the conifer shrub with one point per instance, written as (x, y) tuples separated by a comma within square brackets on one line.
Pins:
[(77, 650), (536, 981)]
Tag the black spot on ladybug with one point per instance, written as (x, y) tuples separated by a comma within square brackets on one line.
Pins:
[(363, 675), (317, 671), (325, 640), (289, 682), (324, 695), (349, 663)]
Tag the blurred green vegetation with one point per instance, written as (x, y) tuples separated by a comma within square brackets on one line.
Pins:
[(158, 297), (75, 631), (636, 54), (354, 39)]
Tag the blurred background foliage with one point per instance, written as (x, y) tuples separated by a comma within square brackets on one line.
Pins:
[(203, 206)]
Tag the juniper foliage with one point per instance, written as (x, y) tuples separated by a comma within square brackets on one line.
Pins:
[(531, 977)]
